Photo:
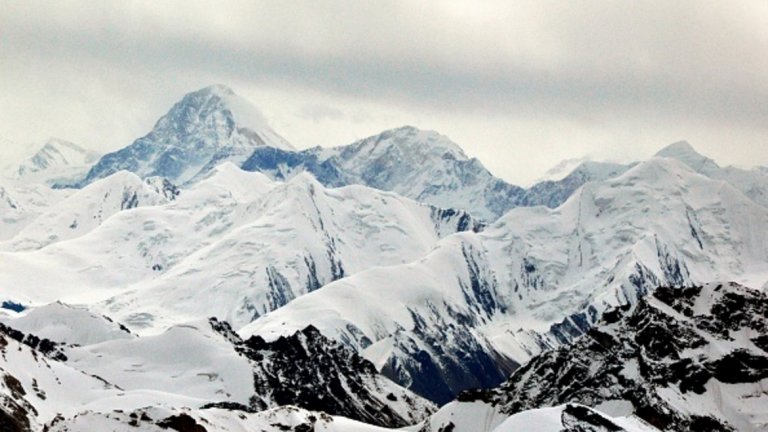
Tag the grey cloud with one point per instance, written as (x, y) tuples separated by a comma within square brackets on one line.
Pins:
[(318, 112), (595, 63), (639, 59)]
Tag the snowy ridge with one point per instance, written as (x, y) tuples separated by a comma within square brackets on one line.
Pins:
[(64, 323), (477, 416), (422, 165), (204, 129), (256, 244), (298, 237), (537, 278), (752, 183), (86, 209), (189, 367), (689, 358), (20, 204)]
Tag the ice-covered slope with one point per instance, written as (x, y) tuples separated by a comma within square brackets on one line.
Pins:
[(552, 193), (684, 359), (133, 246), (243, 242), (193, 366), (536, 278), (86, 209), (752, 183), (298, 237), (422, 165), (20, 204), (35, 388), (206, 128), (57, 162)]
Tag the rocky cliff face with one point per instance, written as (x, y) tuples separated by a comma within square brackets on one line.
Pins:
[(683, 359), (206, 128)]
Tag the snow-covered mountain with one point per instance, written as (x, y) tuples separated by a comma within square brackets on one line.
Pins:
[(204, 129), (552, 193), (480, 303), (752, 183), (211, 277), (67, 324), (422, 165), (190, 366), (86, 209), (20, 204), (57, 162), (561, 169), (693, 358), (295, 239), (248, 244)]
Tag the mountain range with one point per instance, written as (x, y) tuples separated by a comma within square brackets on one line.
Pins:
[(211, 276)]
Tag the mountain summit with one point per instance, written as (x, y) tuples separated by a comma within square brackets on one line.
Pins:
[(685, 153), (202, 130), (55, 162), (419, 164)]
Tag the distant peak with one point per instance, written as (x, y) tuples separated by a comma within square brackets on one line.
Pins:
[(677, 148), (56, 143), (410, 136), (685, 153)]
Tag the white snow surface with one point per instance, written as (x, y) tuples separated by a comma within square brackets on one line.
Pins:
[(244, 243), (659, 223), (85, 209), (63, 323), (482, 417)]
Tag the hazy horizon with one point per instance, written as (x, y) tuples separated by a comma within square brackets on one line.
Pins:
[(520, 86)]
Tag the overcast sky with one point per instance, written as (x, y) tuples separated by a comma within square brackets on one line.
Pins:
[(519, 84)]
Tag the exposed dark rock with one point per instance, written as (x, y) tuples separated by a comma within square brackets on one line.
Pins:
[(181, 423), (634, 352)]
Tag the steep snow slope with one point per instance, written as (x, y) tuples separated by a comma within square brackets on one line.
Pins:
[(58, 161), (684, 359), (206, 128), (34, 388), (298, 237), (440, 323), (88, 208), (246, 244), (140, 243), (422, 165), (196, 366), (20, 204), (553, 193), (752, 183)]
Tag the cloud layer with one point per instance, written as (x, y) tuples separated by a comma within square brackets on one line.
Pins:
[(510, 81)]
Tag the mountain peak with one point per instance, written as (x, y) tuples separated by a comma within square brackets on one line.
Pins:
[(685, 153), (205, 128), (57, 160), (413, 141), (677, 148)]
